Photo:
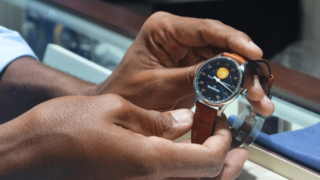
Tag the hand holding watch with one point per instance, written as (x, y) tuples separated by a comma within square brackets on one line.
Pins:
[(218, 83)]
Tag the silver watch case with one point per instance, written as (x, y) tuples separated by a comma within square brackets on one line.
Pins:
[(223, 105)]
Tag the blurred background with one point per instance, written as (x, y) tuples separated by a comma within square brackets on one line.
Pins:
[(286, 30)]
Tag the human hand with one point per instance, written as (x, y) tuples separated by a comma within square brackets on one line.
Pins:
[(106, 136), (157, 71), (232, 167)]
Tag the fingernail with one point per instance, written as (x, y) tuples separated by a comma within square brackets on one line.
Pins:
[(253, 45), (256, 81), (266, 99), (183, 115)]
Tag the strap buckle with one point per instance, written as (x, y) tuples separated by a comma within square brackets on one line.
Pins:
[(245, 128)]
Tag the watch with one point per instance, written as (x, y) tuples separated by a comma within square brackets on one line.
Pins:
[(218, 82)]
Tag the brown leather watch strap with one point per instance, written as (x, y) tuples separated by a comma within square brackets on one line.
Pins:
[(204, 121), (262, 69), (240, 60)]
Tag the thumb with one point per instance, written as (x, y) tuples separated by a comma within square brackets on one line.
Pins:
[(233, 164), (169, 125), (182, 123)]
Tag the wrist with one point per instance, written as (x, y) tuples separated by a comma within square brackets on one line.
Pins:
[(89, 90), (15, 153), (30, 149), (69, 86), (104, 87), (26, 83)]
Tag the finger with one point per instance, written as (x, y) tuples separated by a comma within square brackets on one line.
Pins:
[(187, 141), (182, 123), (203, 32), (256, 96), (221, 136), (208, 51), (232, 167), (252, 84), (181, 178), (169, 125), (190, 58), (186, 102), (198, 54), (193, 160), (233, 164), (177, 81), (265, 106)]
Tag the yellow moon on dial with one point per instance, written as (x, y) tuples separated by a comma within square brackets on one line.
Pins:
[(222, 73)]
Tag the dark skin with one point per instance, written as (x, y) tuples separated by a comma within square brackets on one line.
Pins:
[(27, 82), (100, 137), (166, 55), (93, 133)]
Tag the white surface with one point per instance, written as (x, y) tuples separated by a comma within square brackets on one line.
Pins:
[(253, 171), (75, 65)]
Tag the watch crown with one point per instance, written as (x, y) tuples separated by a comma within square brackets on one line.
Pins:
[(244, 93)]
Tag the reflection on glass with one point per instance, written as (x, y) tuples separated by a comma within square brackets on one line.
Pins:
[(41, 24)]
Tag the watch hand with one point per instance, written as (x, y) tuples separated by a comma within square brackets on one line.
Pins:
[(218, 80), (225, 83)]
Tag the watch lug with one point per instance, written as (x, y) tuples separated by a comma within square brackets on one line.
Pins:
[(243, 67), (244, 93), (219, 55), (221, 109)]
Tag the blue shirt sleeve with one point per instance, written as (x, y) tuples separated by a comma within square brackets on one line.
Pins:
[(12, 47)]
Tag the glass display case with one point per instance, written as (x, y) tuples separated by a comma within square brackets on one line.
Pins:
[(42, 24)]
